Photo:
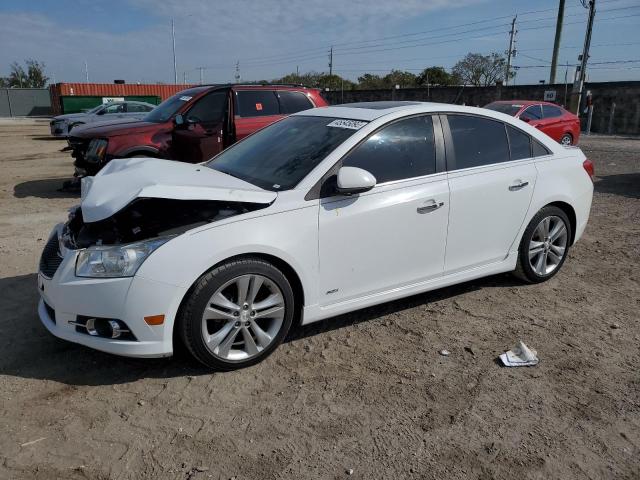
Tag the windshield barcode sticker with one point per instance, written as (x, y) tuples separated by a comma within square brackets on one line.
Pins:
[(185, 98), (351, 124)]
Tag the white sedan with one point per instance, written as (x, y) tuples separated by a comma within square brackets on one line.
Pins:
[(324, 212)]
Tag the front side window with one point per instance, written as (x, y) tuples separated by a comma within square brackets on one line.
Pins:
[(534, 112), (209, 109), (519, 143), (549, 111), (477, 141), (279, 156), (256, 103), (116, 108), (404, 149), (292, 102)]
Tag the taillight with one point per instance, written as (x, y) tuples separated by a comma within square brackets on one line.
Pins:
[(588, 167)]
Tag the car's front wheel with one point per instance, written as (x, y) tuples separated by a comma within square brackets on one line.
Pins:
[(544, 245), (237, 314)]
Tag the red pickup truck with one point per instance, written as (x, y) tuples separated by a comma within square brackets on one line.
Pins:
[(192, 126)]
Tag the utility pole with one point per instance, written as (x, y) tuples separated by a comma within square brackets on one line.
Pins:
[(331, 61), (512, 51), (173, 39), (578, 84), (86, 71), (201, 73), (184, 78), (237, 75), (556, 42), (297, 71)]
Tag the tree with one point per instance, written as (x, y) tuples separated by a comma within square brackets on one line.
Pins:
[(33, 77), (398, 77), (369, 81), (317, 80), (436, 76), (481, 70)]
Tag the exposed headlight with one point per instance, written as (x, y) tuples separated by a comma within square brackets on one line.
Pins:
[(97, 150), (108, 261)]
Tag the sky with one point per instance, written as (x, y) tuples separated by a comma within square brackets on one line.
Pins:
[(131, 39)]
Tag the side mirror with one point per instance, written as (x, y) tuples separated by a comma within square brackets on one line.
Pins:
[(178, 120), (101, 112), (525, 119), (352, 180)]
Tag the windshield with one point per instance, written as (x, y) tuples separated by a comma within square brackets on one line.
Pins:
[(279, 156), (170, 106), (95, 109), (508, 108)]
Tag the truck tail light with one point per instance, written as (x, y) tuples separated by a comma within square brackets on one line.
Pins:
[(588, 167)]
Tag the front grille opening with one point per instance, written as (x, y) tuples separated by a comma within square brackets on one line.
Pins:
[(50, 259), (50, 311)]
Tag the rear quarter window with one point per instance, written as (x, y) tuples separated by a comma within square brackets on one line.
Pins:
[(292, 102), (549, 111), (256, 103)]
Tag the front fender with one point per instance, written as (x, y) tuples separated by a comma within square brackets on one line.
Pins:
[(291, 236)]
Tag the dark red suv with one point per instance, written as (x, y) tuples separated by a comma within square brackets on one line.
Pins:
[(192, 126)]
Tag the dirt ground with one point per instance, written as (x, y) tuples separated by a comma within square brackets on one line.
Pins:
[(366, 392)]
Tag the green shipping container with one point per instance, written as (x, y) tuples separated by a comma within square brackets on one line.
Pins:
[(80, 103)]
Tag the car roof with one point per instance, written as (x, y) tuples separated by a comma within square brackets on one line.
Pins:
[(525, 103), (369, 111)]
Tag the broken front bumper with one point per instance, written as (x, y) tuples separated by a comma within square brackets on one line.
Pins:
[(66, 299)]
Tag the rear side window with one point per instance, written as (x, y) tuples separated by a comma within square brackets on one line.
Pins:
[(404, 149), (534, 112), (256, 103), (292, 102), (477, 141), (539, 150), (549, 111), (209, 109), (137, 107), (519, 143)]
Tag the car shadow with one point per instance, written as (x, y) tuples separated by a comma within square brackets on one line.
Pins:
[(46, 139), (30, 351), (625, 185), (47, 188)]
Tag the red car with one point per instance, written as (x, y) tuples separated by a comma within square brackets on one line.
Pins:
[(555, 121), (192, 126)]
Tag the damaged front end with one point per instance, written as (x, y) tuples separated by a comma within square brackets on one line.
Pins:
[(147, 218)]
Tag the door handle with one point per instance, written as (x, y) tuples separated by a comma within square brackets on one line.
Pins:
[(429, 208), (518, 186)]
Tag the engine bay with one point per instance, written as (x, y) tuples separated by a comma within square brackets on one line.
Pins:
[(146, 218)]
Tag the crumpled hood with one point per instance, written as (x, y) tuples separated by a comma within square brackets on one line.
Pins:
[(112, 127), (123, 180)]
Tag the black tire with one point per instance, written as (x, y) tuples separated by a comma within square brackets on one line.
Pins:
[(524, 270), (189, 321), (566, 139)]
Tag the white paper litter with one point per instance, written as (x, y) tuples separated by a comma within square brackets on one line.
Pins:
[(520, 356)]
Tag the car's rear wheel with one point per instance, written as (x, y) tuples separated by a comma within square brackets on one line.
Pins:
[(237, 314), (544, 245), (566, 139)]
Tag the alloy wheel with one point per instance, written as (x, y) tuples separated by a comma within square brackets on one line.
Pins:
[(243, 317), (565, 140), (548, 245)]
